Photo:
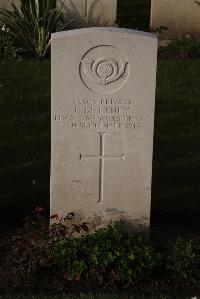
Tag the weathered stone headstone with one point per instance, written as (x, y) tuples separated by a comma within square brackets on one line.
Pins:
[(88, 13), (103, 95), (181, 17)]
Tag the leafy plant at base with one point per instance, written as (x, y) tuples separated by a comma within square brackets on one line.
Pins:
[(30, 252), (7, 48), (64, 227), (159, 30), (184, 47), (32, 25), (109, 255), (184, 261), (34, 257)]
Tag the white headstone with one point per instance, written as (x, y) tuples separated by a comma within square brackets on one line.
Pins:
[(181, 17), (103, 96), (88, 13)]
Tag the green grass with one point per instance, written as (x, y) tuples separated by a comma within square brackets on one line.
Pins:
[(176, 170), (134, 13), (25, 138), (82, 296)]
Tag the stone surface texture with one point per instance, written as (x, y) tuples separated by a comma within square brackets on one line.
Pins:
[(88, 13), (182, 17), (103, 98)]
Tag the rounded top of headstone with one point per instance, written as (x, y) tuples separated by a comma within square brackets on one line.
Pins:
[(103, 30)]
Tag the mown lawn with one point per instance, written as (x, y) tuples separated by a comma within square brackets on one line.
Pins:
[(176, 168), (25, 136), (25, 139), (82, 296)]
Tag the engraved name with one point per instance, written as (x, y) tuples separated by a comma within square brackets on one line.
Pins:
[(106, 113)]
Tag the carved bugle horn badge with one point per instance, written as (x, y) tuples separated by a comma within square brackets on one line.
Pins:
[(104, 70)]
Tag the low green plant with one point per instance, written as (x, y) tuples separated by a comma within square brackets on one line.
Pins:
[(184, 261), (32, 24), (184, 47), (32, 249), (8, 52), (159, 30), (30, 252), (109, 255)]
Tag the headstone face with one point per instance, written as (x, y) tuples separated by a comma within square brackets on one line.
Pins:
[(181, 17), (103, 96), (89, 13)]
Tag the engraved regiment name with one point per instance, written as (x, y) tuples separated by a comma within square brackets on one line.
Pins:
[(108, 113)]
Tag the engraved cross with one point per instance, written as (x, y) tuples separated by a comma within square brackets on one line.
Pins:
[(101, 158)]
